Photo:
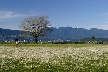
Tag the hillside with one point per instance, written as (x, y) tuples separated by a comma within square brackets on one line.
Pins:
[(66, 32), (77, 33), (9, 32)]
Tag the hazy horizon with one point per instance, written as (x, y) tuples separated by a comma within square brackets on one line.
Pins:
[(59, 27)]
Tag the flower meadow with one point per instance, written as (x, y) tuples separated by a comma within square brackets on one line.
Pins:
[(54, 59)]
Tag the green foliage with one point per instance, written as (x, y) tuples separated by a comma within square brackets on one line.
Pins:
[(93, 37)]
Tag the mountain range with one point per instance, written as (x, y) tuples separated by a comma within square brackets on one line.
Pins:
[(66, 32)]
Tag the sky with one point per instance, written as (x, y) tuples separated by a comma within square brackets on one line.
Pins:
[(62, 13)]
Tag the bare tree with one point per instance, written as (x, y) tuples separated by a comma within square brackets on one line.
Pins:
[(36, 26)]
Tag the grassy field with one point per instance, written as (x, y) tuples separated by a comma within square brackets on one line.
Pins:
[(54, 58), (55, 45)]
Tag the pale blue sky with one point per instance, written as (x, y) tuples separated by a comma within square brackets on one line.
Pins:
[(62, 13)]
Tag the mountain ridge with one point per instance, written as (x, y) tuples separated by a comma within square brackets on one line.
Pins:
[(66, 32)]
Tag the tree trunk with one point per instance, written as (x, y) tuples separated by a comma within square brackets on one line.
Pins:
[(36, 39)]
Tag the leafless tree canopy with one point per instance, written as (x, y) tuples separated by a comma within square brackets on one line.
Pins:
[(36, 25)]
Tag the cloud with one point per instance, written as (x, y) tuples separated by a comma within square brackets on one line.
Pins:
[(103, 14), (9, 14), (103, 26), (100, 26), (11, 26), (34, 13)]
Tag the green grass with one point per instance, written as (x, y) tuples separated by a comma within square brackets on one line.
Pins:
[(66, 58), (55, 45), (11, 65)]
